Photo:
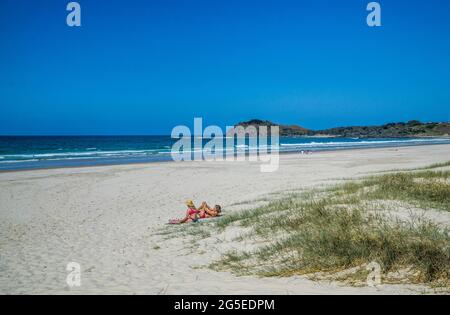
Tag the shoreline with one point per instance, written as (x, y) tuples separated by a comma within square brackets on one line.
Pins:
[(281, 153)]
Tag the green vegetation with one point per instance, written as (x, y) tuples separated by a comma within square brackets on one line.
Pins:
[(436, 165), (412, 128), (427, 189), (429, 167), (347, 226)]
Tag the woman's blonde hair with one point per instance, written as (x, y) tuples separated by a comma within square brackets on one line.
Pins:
[(190, 204)]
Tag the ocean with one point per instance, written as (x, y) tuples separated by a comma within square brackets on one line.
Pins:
[(23, 152)]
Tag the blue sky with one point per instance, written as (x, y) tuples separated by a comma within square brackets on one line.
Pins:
[(142, 67)]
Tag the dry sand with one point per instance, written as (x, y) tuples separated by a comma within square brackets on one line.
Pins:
[(107, 219)]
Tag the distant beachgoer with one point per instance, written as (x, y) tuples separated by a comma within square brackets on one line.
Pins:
[(193, 214)]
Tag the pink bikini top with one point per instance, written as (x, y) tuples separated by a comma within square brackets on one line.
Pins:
[(193, 211)]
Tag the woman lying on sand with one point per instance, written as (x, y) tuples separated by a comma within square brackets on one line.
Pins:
[(193, 214), (208, 212)]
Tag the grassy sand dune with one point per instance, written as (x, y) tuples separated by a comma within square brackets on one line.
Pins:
[(348, 226)]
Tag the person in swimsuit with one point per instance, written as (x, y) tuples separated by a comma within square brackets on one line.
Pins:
[(208, 212), (193, 214)]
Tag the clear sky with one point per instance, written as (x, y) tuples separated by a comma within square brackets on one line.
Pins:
[(142, 67)]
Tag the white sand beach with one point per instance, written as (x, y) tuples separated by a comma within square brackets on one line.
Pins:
[(108, 220)]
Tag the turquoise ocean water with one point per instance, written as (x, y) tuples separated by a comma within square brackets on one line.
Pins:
[(61, 151)]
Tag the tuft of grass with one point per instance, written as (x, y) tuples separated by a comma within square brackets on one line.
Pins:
[(429, 189), (248, 218), (435, 165), (429, 167)]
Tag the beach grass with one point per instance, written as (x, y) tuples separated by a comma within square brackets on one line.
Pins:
[(435, 165), (424, 168), (346, 226), (428, 189)]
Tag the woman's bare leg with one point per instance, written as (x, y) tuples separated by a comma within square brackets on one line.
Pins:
[(203, 205), (186, 218)]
